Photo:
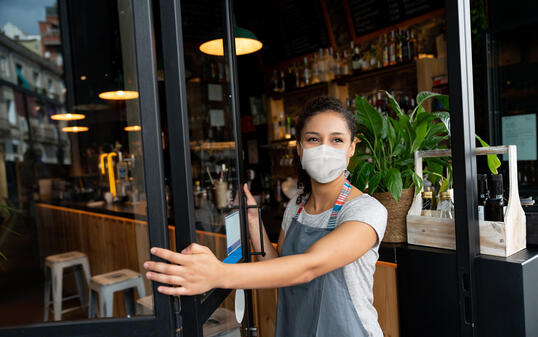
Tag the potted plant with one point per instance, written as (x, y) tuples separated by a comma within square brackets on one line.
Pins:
[(386, 167)]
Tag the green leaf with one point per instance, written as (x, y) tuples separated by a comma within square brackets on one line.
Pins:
[(3, 256), (391, 135), (356, 159), (407, 162), (445, 118), (393, 181), (398, 150), (365, 171), (493, 161), (419, 137), (374, 182), (369, 117), (426, 95), (394, 104), (417, 181)]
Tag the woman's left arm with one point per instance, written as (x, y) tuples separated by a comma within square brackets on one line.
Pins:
[(196, 269)]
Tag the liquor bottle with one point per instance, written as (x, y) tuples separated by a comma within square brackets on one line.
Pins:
[(322, 66), (392, 48), (331, 65), (306, 72), (372, 56), (290, 78), (413, 46), (356, 61), (385, 51), (345, 68), (337, 66), (482, 194), (282, 82), (315, 69), (276, 85), (406, 52), (495, 206), (427, 203), (399, 46), (297, 76), (445, 206)]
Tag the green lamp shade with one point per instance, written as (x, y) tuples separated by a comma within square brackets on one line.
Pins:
[(245, 43)]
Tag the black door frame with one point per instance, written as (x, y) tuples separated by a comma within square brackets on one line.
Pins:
[(193, 310), (462, 127), (161, 324)]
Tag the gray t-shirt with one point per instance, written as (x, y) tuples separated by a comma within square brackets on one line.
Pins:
[(359, 274)]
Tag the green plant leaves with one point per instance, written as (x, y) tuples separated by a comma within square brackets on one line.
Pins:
[(373, 183), (493, 161), (393, 182), (370, 117)]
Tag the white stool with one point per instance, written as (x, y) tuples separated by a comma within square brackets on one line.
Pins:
[(105, 285), (54, 266)]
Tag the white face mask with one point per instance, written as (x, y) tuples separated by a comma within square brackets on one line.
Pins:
[(324, 163)]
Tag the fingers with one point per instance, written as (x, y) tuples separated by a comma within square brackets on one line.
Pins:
[(165, 268), (195, 248), (173, 291), (164, 278), (171, 256)]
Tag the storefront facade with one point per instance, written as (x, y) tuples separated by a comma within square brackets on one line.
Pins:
[(113, 122)]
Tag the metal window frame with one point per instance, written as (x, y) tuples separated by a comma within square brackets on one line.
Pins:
[(462, 128), (161, 324)]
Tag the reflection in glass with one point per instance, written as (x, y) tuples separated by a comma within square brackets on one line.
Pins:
[(73, 232)]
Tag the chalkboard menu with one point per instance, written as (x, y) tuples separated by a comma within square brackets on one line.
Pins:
[(289, 29), (372, 15)]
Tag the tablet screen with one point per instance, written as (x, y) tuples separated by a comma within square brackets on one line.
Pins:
[(233, 238)]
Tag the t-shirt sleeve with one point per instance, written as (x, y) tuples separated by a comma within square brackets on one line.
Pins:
[(368, 210), (289, 213)]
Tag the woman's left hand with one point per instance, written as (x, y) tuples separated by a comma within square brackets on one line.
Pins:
[(193, 271)]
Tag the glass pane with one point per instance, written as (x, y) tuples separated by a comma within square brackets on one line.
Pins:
[(71, 176), (211, 127)]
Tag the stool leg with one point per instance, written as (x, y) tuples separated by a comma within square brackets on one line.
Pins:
[(47, 294), (106, 303), (141, 288), (86, 269), (57, 280), (93, 303), (129, 299), (79, 278)]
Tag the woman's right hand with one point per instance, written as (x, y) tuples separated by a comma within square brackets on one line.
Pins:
[(252, 212)]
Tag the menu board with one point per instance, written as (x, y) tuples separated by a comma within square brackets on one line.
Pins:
[(290, 29), (372, 15)]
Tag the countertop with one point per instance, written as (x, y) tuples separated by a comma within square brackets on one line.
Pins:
[(128, 210)]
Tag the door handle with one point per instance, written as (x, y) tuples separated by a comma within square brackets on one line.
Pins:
[(262, 250)]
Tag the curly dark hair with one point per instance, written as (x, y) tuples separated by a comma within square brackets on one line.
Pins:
[(312, 108)]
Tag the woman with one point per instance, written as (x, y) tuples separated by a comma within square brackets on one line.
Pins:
[(327, 249)]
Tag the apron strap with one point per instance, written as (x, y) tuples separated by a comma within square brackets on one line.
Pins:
[(342, 197)]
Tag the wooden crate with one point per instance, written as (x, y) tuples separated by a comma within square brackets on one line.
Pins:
[(496, 238)]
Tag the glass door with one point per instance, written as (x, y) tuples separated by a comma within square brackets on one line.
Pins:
[(204, 143), (81, 170)]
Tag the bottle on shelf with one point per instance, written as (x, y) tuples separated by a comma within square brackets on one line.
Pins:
[(495, 206), (399, 46), (445, 206), (306, 72), (276, 82), (297, 76), (427, 203), (282, 81), (315, 69), (406, 50), (322, 66), (482, 194), (413, 45), (337, 66), (372, 57), (392, 48), (331, 64), (345, 68), (385, 51), (356, 61)]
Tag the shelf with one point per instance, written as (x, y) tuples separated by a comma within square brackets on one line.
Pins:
[(212, 146), (411, 65)]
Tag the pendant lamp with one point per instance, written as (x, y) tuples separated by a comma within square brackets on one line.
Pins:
[(245, 43)]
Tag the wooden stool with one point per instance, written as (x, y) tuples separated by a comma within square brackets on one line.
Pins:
[(105, 285), (54, 266)]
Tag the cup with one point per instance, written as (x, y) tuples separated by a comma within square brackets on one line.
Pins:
[(220, 194)]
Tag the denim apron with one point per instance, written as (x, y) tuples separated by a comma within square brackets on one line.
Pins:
[(323, 306)]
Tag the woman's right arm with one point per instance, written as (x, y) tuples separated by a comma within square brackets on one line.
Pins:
[(254, 232)]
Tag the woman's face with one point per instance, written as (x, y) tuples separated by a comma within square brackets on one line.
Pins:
[(327, 128)]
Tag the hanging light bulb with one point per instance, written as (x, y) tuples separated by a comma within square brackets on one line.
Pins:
[(133, 128), (119, 95), (75, 129), (67, 117), (245, 43)]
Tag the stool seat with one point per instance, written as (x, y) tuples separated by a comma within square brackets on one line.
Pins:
[(105, 285), (115, 277), (54, 273)]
